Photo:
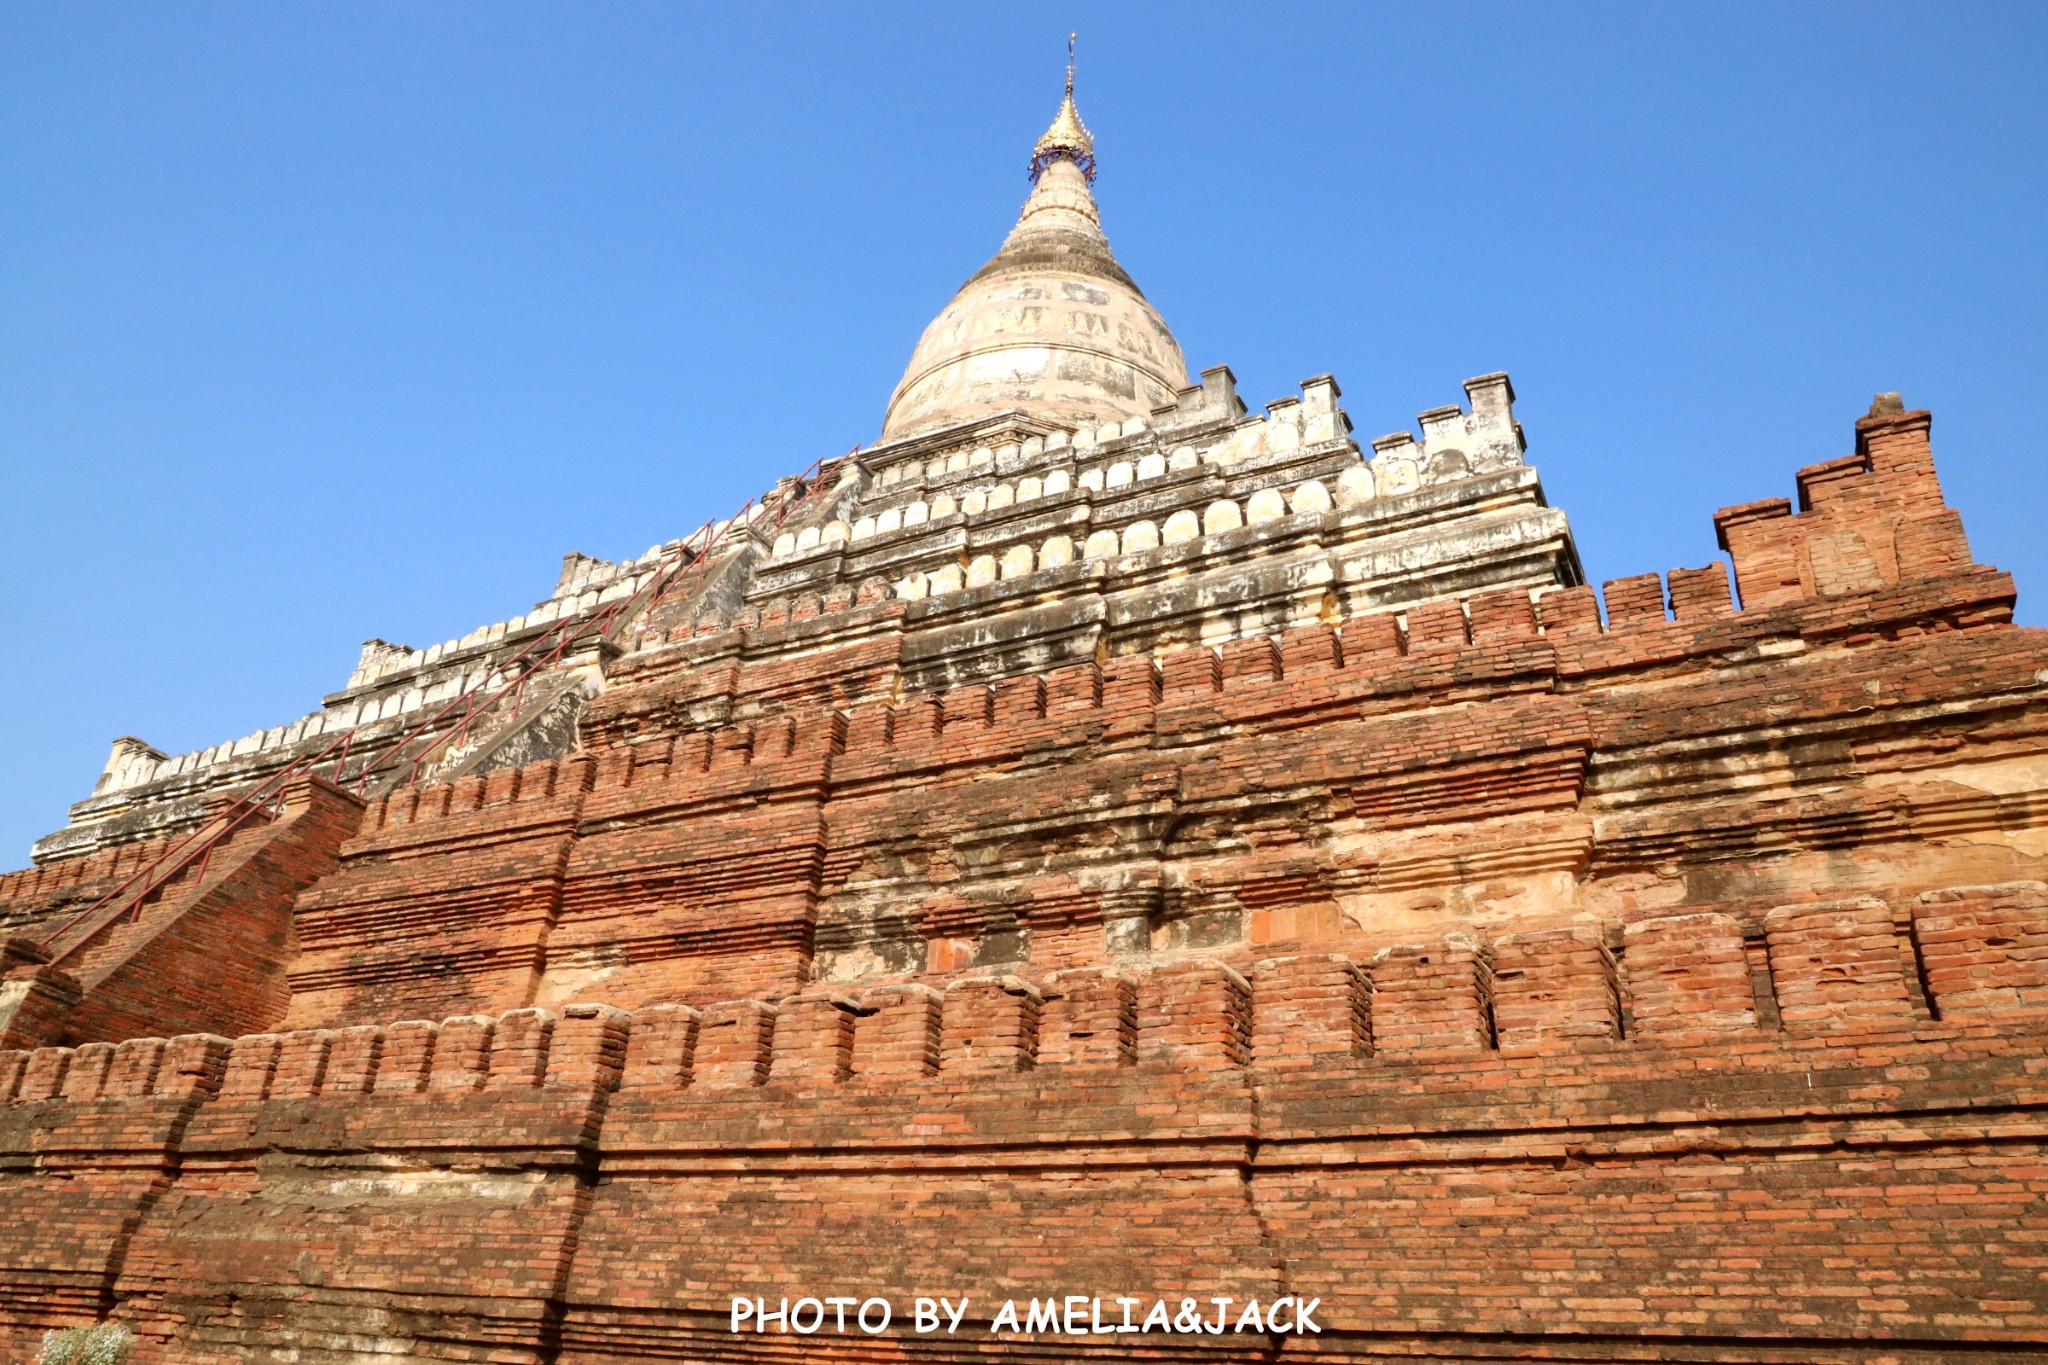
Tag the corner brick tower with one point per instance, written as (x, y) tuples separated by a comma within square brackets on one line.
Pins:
[(1096, 841)]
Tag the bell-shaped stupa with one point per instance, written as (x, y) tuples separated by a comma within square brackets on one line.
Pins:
[(1051, 327)]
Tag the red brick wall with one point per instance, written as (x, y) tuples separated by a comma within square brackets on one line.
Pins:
[(443, 900), (594, 1186)]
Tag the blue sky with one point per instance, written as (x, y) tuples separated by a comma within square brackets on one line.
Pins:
[(319, 322)]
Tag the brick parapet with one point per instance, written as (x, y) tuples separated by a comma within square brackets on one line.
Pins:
[(1836, 968), (1191, 1071), (33, 895), (1194, 690), (474, 808), (530, 1083), (562, 818)]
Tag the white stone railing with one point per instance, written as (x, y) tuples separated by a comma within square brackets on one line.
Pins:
[(1019, 560), (1455, 444)]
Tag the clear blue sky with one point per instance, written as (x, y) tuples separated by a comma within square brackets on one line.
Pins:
[(319, 322)]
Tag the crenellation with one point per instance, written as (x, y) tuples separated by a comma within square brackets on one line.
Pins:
[(193, 1065), (1189, 672), (1634, 602), (87, 1073), (250, 1067), (301, 1064), (1501, 614), (661, 1047), (813, 1037), (407, 1057), (1566, 612), (462, 1053), (133, 1074), (734, 1044), (1983, 950), (1687, 974), (1193, 1014), (1434, 625), (1837, 966), (1530, 994), (353, 1059), (896, 1033), (1554, 987), (42, 1077), (1700, 593), (989, 1025), (1430, 999), (519, 1050), (1090, 1019), (1309, 1009)]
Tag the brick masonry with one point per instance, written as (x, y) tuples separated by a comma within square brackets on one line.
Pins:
[(1522, 979), (601, 1182)]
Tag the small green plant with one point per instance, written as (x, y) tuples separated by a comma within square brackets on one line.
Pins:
[(105, 1344)]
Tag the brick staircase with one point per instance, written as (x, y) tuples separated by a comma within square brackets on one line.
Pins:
[(205, 950)]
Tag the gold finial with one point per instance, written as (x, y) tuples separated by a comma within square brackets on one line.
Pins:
[(1068, 137)]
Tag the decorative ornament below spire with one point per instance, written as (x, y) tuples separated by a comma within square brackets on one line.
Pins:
[(1068, 137), (1052, 329)]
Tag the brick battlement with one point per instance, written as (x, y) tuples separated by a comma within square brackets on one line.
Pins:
[(1381, 656), (523, 1050), (282, 1179), (1834, 970), (1648, 619), (95, 869), (531, 786)]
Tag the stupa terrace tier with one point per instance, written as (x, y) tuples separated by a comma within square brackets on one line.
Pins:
[(1200, 525)]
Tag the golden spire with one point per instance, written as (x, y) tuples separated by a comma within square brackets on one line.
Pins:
[(1068, 137)]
